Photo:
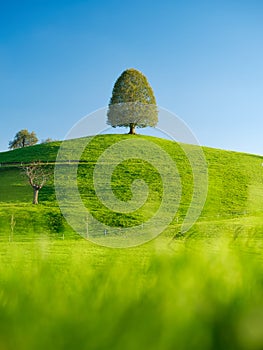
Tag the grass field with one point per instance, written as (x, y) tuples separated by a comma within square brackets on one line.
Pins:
[(200, 290)]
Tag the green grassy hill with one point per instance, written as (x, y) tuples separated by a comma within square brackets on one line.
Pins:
[(233, 205), (200, 290)]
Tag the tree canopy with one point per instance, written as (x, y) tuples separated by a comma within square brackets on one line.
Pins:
[(132, 103), (23, 138)]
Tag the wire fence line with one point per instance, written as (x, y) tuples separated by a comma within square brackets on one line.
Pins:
[(51, 162)]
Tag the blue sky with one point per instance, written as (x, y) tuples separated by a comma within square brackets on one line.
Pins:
[(204, 60)]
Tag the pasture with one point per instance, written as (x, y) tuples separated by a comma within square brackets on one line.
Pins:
[(202, 289)]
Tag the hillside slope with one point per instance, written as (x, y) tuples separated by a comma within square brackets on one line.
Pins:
[(235, 191)]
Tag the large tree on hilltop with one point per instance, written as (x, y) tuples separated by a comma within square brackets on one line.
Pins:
[(23, 138), (132, 103)]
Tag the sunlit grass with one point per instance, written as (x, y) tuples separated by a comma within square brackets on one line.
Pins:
[(199, 290), (64, 295)]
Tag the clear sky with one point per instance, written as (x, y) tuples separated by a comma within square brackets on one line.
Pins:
[(59, 60)]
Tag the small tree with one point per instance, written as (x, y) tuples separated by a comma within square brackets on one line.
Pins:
[(37, 175), (23, 138), (48, 140), (132, 103)]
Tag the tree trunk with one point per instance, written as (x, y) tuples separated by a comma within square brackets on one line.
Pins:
[(35, 196), (132, 129)]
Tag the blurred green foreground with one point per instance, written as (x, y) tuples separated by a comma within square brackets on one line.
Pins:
[(75, 295)]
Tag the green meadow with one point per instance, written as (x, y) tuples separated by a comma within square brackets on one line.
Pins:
[(200, 289)]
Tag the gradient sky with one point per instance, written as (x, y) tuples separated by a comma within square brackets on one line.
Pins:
[(204, 60)]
